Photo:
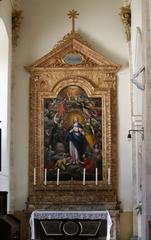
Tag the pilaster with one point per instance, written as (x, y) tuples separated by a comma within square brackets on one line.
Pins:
[(146, 167)]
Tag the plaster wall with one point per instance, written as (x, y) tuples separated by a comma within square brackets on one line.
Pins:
[(125, 147), (136, 53), (137, 109), (146, 168), (136, 8)]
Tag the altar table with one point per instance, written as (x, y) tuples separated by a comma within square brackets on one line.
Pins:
[(70, 215)]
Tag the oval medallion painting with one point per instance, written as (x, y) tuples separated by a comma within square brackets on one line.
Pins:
[(73, 58), (73, 135)]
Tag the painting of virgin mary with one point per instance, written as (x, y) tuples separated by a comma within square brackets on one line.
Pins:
[(72, 130), (77, 143)]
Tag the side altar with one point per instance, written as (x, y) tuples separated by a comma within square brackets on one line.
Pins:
[(67, 224), (73, 129)]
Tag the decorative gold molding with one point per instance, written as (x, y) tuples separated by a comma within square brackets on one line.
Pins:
[(68, 37), (97, 82), (125, 16), (16, 23), (96, 75), (90, 57)]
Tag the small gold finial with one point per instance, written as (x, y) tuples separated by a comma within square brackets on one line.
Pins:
[(73, 14)]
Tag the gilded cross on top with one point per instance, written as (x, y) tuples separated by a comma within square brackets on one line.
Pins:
[(73, 14)]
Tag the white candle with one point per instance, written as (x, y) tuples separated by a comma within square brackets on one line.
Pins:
[(83, 176), (45, 182), (58, 170), (109, 176), (34, 176), (96, 176)]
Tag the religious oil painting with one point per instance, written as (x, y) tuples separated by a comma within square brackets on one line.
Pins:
[(73, 135)]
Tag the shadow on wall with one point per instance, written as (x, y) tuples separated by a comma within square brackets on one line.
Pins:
[(100, 48)]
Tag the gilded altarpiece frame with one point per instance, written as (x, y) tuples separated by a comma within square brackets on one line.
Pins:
[(96, 76)]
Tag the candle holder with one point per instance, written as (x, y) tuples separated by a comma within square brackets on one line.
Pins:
[(45, 177), (84, 172), (96, 176), (34, 176), (109, 176), (58, 175)]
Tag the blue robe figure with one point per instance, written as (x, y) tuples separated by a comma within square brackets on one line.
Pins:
[(77, 144)]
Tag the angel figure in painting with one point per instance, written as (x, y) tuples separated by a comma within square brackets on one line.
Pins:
[(76, 139)]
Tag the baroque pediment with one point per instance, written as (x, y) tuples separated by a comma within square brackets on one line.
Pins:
[(75, 45)]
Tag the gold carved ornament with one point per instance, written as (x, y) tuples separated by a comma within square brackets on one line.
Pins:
[(97, 77), (16, 23), (125, 16)]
